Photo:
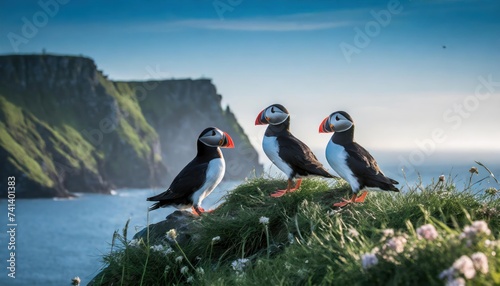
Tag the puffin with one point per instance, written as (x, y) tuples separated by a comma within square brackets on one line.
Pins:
[(289, 154), (200, 177), (351, 161)]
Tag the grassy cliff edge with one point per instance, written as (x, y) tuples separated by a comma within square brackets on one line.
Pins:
[(409, 238)]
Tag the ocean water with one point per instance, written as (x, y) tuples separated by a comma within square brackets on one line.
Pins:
[(59, 239)]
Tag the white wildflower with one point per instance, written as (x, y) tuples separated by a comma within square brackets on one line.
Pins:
[(368, 260), (449, 274), (480, 262), (455, 282), (302, 272), (165, 250), (468, 232), (465, 266), (353, 232), (264, 220), (179, 259), (388, 232), (184, 269), (157, 247), (168, 250), (200, 271), (427, 231), (473, 170), (491, 191), (442, 178), (215, 239), (190, 279), (477, 227), (134, 243), (239, 264), (481, 227), (76, 281), (489, 243), (291, 238), (172, 234), (396, 243), (288, 266)]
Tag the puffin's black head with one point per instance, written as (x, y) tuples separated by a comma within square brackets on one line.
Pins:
[(214, 137), (274, 114), (338, 121)]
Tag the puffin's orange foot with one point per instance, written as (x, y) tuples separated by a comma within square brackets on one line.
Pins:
[(297, 186), (278, 193), (342, 204), (199, 210), (289, 189), (361, 198)]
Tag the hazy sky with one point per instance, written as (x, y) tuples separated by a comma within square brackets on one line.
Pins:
[(420, 75)]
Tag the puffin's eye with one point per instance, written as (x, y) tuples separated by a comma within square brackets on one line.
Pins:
[(272, 109), (337, 118)]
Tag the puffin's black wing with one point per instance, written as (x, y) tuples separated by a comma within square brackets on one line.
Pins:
[(366, 169), (300, 158), (189, 180)]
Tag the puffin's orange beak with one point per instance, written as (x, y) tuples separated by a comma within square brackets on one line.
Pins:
[(325, 126), (261, 119), (228, 141)]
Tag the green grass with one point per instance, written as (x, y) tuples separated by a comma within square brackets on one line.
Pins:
[(307, 242)]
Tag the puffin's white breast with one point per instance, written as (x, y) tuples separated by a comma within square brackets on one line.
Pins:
[(271, 148), (337, 158), (215, 172)]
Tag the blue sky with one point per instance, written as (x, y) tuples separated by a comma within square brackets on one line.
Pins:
[(400, 84)]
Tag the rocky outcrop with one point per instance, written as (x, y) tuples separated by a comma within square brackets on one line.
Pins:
[(184, 224), (64, 127)]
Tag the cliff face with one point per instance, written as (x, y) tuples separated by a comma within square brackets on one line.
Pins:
[(64, 127)]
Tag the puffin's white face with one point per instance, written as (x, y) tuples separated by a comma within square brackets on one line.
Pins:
[(340, 122), (215, 137), (336, 122), (275, 115)]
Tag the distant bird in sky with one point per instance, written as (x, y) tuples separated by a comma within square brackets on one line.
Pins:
[(444, 47), (288, 153), (351, 161), (200, 177)]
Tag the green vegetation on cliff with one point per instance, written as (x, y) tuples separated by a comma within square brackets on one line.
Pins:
[(408, 238), (28, 152)]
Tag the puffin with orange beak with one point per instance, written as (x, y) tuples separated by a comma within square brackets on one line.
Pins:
[(351, 161), (200, 177), (289, 154)]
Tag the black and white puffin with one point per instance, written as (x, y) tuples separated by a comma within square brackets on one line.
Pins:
[(351, 161), (288, 153), (200, 177)]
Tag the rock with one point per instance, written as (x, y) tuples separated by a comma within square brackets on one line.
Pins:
[(183, 222)]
